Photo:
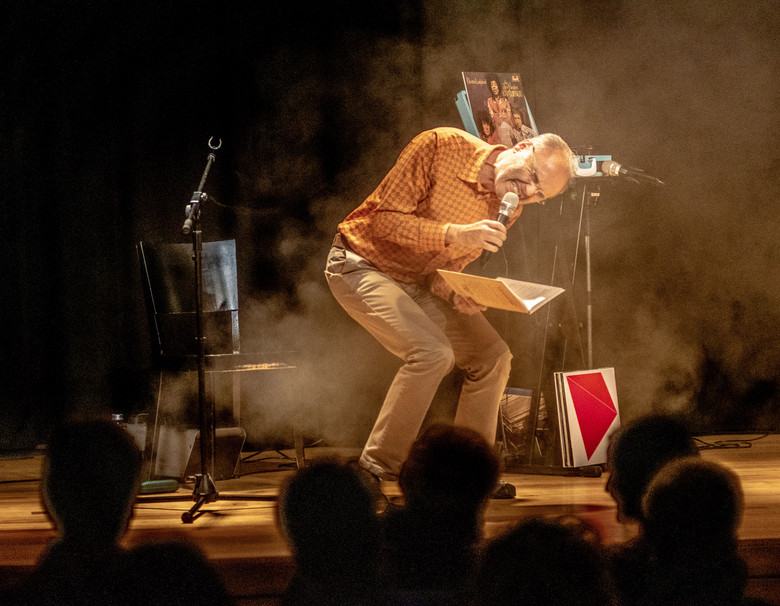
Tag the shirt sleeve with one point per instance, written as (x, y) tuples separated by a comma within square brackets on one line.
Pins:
[(402, 190)]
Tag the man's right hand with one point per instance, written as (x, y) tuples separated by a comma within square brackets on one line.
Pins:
[(485, 234)]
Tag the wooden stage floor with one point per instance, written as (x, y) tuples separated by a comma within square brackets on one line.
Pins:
[(242, 539)]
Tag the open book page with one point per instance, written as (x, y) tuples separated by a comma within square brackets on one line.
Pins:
[(532, 295), (501, 293)]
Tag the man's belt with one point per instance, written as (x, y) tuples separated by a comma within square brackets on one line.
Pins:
[(340, 242)]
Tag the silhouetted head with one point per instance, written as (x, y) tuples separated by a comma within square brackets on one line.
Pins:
[(328, 516), (545, 561), (91, 476), (174, 573), (693, 506), (636, 452), (450, 468)]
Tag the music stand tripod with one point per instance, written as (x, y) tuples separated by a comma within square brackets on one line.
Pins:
[(205, 490), (524, 462)]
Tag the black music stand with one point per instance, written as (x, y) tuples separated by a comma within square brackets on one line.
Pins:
[(560, 316), (214, 322)]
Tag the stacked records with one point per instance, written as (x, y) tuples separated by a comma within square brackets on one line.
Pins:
[(588, 414)]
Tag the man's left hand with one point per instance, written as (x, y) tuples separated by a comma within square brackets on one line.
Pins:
[(467, 305)]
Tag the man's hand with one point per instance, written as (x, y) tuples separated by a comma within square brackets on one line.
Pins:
[(485, 234), (466, 305)]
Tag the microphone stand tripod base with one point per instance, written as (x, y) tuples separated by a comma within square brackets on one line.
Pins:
[(588, 471), (205, 492)]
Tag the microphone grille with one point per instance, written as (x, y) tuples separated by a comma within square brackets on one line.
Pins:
[(509, 203), (610, 168)]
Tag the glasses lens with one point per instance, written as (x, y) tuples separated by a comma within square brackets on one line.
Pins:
[(535, 177)]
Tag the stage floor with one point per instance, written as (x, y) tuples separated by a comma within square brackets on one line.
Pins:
[(241, 537)]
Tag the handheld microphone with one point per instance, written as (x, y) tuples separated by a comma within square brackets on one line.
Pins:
[(508, 207), (611, 168)]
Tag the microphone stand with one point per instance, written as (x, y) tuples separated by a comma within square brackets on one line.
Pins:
[(591, 191), (205, 491), (524, 463)]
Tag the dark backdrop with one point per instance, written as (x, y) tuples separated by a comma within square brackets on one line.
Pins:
[(107, 108)]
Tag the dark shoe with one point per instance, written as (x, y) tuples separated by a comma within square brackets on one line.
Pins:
[(503, 490), (373, 483)]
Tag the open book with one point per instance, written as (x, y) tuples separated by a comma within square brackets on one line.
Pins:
[(501, 293)]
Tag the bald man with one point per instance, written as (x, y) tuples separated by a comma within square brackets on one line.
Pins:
[(435, 209)]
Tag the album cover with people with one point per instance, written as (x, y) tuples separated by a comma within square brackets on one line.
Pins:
[(500, 110)]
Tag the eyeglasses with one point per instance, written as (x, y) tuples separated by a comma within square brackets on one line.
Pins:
[(535, 177)]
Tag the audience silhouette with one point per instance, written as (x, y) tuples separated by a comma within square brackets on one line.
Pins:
[(430, 550), (432, 541), (327, 514), (555, 562), (686, 552), (636, 452), (172, 573), (90, 478)]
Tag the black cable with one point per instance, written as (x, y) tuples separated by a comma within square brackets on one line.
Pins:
[(251, 457), (246, 209), (726, 444), (254, 455)]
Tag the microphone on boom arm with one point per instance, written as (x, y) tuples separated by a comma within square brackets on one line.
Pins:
[(610, 168)]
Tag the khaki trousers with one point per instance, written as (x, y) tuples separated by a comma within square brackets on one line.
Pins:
[(430, 337)]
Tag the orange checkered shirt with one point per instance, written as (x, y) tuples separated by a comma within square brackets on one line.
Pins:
[(400, 227)]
